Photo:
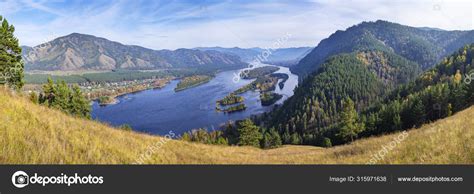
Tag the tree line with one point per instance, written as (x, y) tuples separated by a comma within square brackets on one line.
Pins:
[(241, 133), (61, 96)]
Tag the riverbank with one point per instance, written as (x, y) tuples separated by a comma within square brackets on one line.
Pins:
[(107, 100), (107, 93)]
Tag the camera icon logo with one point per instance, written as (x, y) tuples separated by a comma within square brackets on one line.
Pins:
[(20, 179)]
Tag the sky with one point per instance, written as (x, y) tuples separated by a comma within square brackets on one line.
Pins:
[(172, 24)]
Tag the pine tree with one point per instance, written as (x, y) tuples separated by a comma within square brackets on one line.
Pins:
[(186, 137), (222, 141), (275, 138), (62, 97), (450, 110), (266, 141), (418, 113), (326, 142), (372, 122), (79, 105), (295, 139), (249, 134), (397, 122), (349, 128), (48, 93), (286, 137), (11, 64)]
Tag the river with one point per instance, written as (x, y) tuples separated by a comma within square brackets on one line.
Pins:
[(159, 111)]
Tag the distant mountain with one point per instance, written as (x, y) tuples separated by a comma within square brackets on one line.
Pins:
[(426, 46), (430, 28), (277, 55), (86, 52), (244, 54)]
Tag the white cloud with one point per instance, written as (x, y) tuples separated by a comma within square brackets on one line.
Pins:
[(231, 24)]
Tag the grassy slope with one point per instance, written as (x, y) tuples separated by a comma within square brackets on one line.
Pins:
[(32, 134)]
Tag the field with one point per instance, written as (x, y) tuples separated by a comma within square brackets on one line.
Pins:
[(32, 134)]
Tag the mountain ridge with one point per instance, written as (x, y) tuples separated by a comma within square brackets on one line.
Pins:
[(87, 52), (422, 45), (290, 54)]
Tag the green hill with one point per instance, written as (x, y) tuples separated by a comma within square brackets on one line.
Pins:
[(364, 76), (426, 47), (387, 91)]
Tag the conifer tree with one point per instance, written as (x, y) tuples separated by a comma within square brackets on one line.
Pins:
[(249, 134), (349, 128), (286, 137), (275, 138), (62, 97), (11, 64)]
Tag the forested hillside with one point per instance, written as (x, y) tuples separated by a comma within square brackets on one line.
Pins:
[(443, 90), (345, 98), (424, 46)]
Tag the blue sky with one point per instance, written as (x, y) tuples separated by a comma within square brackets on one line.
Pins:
[(168, 24)]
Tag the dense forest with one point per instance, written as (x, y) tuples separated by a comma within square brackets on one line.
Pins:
[(376, 101), (440, 92), (362, 76)]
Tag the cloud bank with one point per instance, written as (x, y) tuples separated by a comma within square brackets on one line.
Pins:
[(187, 24)]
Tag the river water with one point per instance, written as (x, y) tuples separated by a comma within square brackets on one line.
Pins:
[(159, 111)]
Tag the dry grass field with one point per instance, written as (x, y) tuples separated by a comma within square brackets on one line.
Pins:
[(33, 134)]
